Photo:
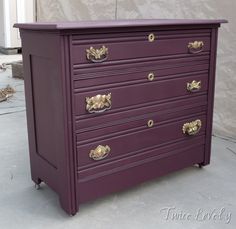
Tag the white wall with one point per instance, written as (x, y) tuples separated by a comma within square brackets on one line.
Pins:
[(225, 98), (12, 11), (1, 24)]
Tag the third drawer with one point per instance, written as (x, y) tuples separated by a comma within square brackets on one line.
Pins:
[(144, 137)]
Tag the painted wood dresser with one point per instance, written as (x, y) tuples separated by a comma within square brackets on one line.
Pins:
[(111, 104)]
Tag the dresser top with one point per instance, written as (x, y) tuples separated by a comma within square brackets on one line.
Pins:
[(115, 23)]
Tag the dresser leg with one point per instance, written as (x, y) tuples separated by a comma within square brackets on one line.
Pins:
[(37, 186), (71, 211), (37, 180), (200, 165), (73, 214)]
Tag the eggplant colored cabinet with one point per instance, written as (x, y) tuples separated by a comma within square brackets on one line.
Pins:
[(111, 104)]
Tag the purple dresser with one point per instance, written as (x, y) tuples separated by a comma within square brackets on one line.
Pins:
[(111, 104)]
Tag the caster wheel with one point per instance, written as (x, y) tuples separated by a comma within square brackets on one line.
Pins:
[(200, 166), (37, 186)]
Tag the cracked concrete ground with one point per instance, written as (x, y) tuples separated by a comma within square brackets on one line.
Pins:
[(191, 198)]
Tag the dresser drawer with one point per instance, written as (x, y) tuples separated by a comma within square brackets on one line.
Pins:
[(125, 173), (138, 139), (167, 151), (113, 99), (138, 72), (148, 44), (92, 122), (112, 128)]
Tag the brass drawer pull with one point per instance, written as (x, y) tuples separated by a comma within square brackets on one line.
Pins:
[(196, 46), (151, 76), (192, 128), (194, 86), (97, 55), (150, 123), (100, 152), (98, 103), (151, 37)]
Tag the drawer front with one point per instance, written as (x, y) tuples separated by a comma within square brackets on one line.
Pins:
[(105, 50), (113, 177), (92, 122), (125, 74), (138, 94), (150, 135), (123, 126)]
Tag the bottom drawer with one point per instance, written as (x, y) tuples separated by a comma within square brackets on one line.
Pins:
[(93, 183), (125, 145)]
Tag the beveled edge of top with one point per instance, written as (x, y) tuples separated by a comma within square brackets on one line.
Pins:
[(115, 23)]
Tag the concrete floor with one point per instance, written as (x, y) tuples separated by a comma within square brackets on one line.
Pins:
[(194, 198)]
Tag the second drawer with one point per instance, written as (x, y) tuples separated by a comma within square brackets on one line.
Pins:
[(113, 99)]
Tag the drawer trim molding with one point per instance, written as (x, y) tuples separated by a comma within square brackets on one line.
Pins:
[(138, 163)]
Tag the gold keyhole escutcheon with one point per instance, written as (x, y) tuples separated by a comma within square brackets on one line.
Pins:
[(151, 76), (150, 123), (151, 37)]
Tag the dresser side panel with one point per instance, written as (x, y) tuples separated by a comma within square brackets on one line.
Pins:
[(47, 114)]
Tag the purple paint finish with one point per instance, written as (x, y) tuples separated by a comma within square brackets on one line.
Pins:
[(96, 121), (142, 93), (168, 148), (137, 173), (122, 144), (117, 24), (134, 74), (132, 49), (113, 128), (61, 132)]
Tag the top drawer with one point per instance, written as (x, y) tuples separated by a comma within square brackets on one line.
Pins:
[(132, 46)]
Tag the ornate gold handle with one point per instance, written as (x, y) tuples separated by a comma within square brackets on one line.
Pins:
[(194, 86), (98, 103), (97, 55), (100, 152), (192, 128), (196, 46)]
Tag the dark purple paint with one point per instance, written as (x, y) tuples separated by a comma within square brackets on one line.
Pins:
[(140, 137), (121, 50), (140, 94), (61, 132)]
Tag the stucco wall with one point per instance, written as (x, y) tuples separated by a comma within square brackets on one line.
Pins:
[(225, 97)]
